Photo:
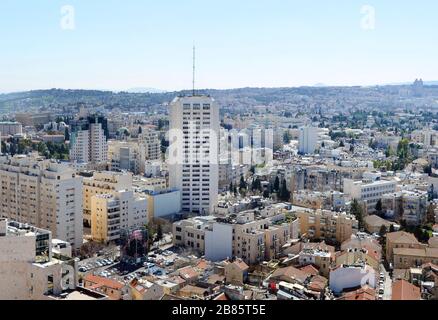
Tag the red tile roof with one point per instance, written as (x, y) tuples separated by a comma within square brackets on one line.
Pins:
[(103, 282), (403, 290)]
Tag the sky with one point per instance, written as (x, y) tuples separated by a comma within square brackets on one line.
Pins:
[(123, 44)]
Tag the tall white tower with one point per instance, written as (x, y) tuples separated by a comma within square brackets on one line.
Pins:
[(194, 152), (308, 140)]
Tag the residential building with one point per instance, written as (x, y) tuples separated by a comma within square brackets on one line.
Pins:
[(347, 277), (99, 183), (405, 258), (374, 223), (236, 272), (126, 156), (150, 145), (410, 206), (403, 290), (250, 236), (114, 289), (370, 192), (88, 140), (308, 140), (400, 239), (42, 193), (111, 213), (8, 128), (28, 268), (327, 225), (163, 203), (322, 259)]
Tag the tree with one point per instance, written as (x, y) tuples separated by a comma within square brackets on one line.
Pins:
[(379, 207), (391, 228), (430, 215), (242, 185), (286, 137), (159, 232), (66, 134), (277, 184), (231, 187), (256, 185), (382, 234), (284, 194), (266, 194), (140, 130), (357, 211)]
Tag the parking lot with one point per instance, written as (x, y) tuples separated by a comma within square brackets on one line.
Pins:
[(160, 262)]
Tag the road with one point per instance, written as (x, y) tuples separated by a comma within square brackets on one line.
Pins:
[(388, 284)]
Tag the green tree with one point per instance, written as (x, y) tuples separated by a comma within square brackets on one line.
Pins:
[(357, 211), (286, 137), (159, 232), (242, 185), (277, 184), (379, 207), (284, 194), (67, 134), (430, 214)]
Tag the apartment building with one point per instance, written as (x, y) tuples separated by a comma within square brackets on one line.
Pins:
[(405, 258), (308, 140), (124, 155), (34, 119), (353, 256), (111, 213), (28, 269), (318, 257), (193, 152), (150, 145), (156, 184), (370, 192), (347, 277), (100, 183), (250, 236), (400, 239), (42, 193), (8, 128), (88, 140), (327, 225), (163, 203), (410, 206)]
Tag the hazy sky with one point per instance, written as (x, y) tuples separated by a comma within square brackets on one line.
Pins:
[(120, 44)]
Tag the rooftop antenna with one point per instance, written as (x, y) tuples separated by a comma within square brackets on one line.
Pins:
[(194, 68)]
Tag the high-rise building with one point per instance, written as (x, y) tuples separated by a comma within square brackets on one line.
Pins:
[(308, 140), (193, 152), (43, 193), (88, 140)]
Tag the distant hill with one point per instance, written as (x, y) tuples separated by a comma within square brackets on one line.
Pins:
[(145, 90), (239, 98)]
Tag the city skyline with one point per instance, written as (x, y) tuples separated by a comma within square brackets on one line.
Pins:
[(80, 45)]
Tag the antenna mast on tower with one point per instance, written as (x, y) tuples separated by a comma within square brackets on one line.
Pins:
[(194, 68)]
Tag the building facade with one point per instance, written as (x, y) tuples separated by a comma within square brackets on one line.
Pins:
[(43, 193), (193, 152)]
